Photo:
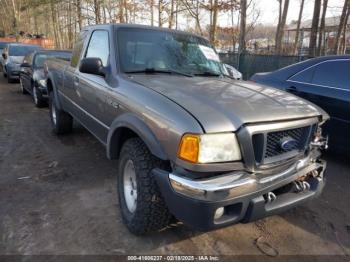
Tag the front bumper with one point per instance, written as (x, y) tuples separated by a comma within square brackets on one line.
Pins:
[(243, 195), (43, 94), (13, 70)]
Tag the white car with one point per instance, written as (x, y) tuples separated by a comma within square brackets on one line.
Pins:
[(233, 72)]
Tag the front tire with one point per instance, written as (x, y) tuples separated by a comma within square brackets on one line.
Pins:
[(37, 98), (10, 80), (142, 206), (61, 121), (23, 90)]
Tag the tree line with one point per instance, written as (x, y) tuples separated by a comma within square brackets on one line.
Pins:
[(63, 19)]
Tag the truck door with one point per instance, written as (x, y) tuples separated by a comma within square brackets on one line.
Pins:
[(69, 79), (92, 89)]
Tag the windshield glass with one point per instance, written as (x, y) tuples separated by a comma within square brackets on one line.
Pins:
[(141, 49), (41, 58), (2, 45), (21, 50)]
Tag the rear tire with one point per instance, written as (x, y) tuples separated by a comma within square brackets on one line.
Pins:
[(147, 211), (62, 122)]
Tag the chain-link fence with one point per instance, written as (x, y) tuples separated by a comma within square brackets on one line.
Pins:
[(249, 64)]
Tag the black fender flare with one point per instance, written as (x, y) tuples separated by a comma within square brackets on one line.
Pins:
[(139, 127)]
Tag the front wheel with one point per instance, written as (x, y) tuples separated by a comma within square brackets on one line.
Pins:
[(21, 86), (37, 98), (61, 121), (142, 206)]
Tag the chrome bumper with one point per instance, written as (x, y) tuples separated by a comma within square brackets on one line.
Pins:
[(239, 184)]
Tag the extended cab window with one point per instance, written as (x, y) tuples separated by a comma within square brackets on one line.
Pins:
[(99, 46), (333, 74), (78, 48)]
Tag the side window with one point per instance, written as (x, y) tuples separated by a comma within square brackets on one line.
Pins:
[(333, 74), (78, 47), (99, 46), (304, 76)]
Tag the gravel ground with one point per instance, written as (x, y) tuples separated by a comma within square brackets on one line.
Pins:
[(58, 196)]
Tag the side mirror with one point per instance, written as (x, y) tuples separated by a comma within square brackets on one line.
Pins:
[(91, 65), (25, 64), (4, 56)]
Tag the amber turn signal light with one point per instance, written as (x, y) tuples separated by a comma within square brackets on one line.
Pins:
[(189, 148)]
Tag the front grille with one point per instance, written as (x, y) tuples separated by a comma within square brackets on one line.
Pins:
[(268, 147)]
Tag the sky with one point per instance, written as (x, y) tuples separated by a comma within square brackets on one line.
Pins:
[(269, 11)]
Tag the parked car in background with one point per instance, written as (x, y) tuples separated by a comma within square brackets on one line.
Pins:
[(191, 142), (13, 56), (233, 72), (324, 81), (32, 76), (2, 46)]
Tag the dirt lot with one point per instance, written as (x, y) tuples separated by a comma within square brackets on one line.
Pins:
[(58, 196)]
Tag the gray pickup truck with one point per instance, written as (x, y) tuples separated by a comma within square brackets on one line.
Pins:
[(192, 143)]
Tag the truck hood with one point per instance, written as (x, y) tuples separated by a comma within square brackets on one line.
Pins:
[(224, 105)]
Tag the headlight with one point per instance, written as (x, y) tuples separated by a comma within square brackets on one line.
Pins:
[(209, 148), (42, 82)]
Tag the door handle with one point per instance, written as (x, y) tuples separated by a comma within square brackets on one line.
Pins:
[(76, 81)]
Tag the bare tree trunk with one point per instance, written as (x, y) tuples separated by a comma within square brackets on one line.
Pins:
[(160, 12), (314, 28), (121, 11), (97, 11), (214, 20), (243, 7), (280, 28), (279, 19), (54, 24), (321, 34), (152, 12), (343, 50), (16, 18), (297, 33), (341, 27), (176, 15), (171, 15), (80, 21), (70, 25)]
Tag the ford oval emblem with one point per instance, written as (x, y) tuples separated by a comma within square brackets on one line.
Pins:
[(288, 143)]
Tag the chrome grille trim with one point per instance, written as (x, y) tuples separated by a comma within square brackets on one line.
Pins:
[(246, 134)]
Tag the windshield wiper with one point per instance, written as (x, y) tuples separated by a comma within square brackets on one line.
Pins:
[(161, 71), (207, 73)]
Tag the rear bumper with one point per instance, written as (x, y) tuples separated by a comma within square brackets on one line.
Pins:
[(243, 195)]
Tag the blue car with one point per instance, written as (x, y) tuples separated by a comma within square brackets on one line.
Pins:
[(325, 81), (13, 56)]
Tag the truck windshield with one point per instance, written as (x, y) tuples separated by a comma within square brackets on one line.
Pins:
[(148, 50)]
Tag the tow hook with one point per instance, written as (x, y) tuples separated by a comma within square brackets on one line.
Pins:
[(300, 186), (270, 197)]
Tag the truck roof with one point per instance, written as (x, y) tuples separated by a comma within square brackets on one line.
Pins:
[(138, 26)]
